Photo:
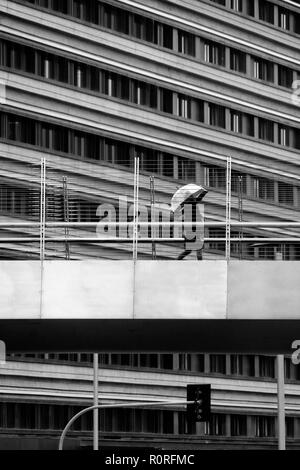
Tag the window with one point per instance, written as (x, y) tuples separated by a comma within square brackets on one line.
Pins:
[(236, 362), (242, 365), (122, 154), (186, 43), (167, 165), (266, 366), (144, 94), (62, 7), (237, 61), (216, 425), (238, 182), (285, 193), (219, 2), (217, 363), (184, 106), (145, 29), (186, 169), (285, 76), (21, 129), (149, 360), (236, 121), (263, 188), (216, 115), (238, 425), (214, 53), (236, 5), (263, 69), (266, 11), (60, 139), (284, 18), (149, 160), (283, 135), (265, 130), (290, 427), (264, 426), (27, 415), (166, 361), (215, 177), (166, 101)]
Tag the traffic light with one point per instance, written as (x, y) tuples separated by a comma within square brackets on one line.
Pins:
[(199, 410)]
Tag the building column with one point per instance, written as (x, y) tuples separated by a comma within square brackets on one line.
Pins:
[(200, 429), (175, 423), (198, 54), (276, 16), (256, 9), (176, 361), (206, 112), (296, 75), (227, 57), (276, 133), (249, 66), (256, 366), (275, 74), (199, 173), (227, 425), (249, 189), (175, 40), (175, 104), (256, 127), (227, 120), (195, 111), (292, 22), (251, 431), (206, 364), (228, 364), (297, 427), (276, 192), (175, 167), (296, 196), (159, 99)]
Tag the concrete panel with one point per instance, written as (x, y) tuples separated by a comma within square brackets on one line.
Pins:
[(88, 289), (180, 289), (20, 289), (264, 290)]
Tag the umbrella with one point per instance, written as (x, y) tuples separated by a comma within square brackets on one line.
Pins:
[(186, 192)]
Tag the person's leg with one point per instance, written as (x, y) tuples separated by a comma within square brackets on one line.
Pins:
[(184, 254), (199, 255)]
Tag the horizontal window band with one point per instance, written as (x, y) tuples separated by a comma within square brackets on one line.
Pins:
[(218, 34), (160, 78), (211, 32), (144, 139)]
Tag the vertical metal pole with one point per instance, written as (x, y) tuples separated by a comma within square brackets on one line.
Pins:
[(281, 401), (96, 411), (152, 203), (42, 209), (66, 215), (136, 206), (228, 207), (42, 229), (135, 226), (240, 180)]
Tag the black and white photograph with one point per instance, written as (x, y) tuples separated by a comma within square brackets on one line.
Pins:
[(149, 228)]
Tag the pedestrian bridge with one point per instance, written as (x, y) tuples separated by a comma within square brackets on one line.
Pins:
[(94, 305)]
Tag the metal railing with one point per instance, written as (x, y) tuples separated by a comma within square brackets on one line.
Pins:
[(47, 214)]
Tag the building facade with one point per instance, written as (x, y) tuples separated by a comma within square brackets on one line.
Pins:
[(91, 85)]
